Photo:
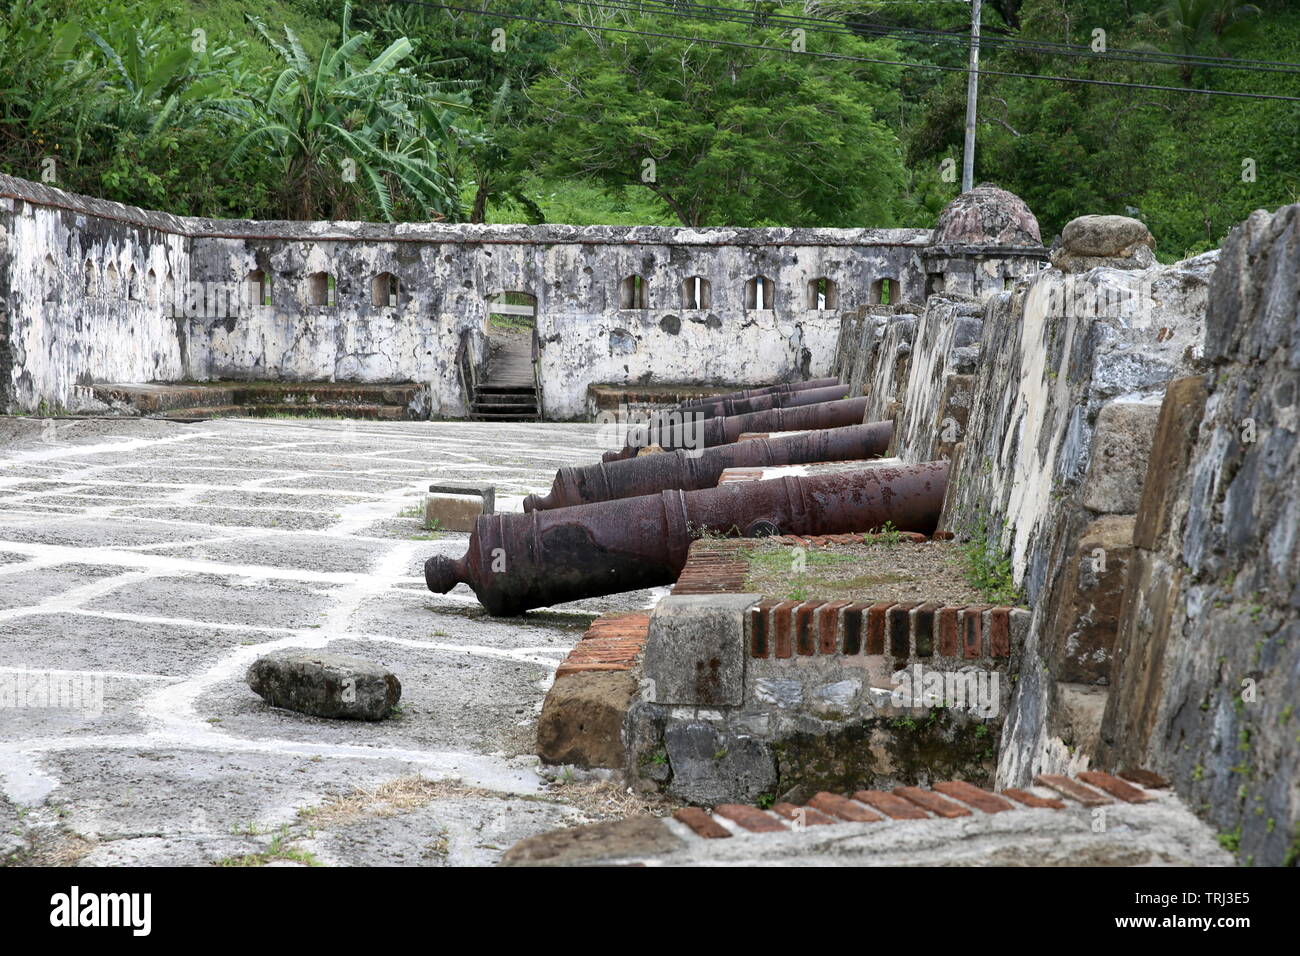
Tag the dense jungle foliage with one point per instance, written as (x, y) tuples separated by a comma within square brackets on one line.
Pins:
[(409, 111)]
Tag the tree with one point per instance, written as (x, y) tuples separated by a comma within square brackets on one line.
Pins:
[(342, 130), (494, 61), (723, 135), (48, 82), (1206, 27)]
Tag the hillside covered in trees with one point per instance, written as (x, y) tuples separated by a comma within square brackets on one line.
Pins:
[(831, 112)]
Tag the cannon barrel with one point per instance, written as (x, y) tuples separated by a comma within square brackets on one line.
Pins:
[(685, 471), (722, 407), (516, 562), (695, 434), (765, 390)]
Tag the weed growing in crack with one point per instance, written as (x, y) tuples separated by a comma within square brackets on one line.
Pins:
[(988, 569)]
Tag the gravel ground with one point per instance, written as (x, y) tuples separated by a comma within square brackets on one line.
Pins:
[(902, 571), (145, 564)]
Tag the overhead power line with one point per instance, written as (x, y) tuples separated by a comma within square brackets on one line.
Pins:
[(1076, 80), (687, 10)]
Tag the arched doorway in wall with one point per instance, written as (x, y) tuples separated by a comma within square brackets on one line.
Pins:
[(508, 388)]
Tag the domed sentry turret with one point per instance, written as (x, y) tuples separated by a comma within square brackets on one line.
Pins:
[(984, 241)]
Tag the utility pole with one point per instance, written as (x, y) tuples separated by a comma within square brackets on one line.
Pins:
[(972, 93)]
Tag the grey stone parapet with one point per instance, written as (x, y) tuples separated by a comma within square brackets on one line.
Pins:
[(12, 187)]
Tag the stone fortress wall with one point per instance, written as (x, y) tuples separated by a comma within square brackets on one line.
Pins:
[(1126, 433), (96, 292)]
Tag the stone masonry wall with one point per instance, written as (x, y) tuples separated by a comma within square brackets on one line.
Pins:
[(1053, 352), (77, 316), (743, 696), (1207, 676), (1062, 413)]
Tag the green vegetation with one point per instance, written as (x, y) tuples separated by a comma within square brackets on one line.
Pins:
[(723, 135), (315, 108), (988, 567), (280, 848), (886, 534), (1230, 840), (335, 126), (829, 572)]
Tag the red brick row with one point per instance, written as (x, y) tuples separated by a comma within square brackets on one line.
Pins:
[(903, 803), (784, 629), (712, 567), (612, 643)]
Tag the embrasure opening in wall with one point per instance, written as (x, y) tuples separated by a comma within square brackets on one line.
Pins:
[(822, 294), (760, 293), (633, 293), (885, 291), (257, 288), (384, 290), (696, 293), (320, 289)]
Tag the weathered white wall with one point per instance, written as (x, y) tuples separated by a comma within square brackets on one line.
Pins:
[(886, 372), (447, 273), (62, 333), (945, 343)]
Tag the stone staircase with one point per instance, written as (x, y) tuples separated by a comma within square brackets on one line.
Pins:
[(192, 402), (508, 392)]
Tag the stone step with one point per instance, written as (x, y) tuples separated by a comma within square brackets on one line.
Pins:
[(502, 417), (511, 381), (322, 410), (505, 398), (199, 399), (149, 398), (334, 393), (515, 408)]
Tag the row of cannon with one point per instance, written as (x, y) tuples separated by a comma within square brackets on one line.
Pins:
[(627, 522)]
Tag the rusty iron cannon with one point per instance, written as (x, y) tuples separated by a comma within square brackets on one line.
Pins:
[(650, 474), (685, 430), (722, 407), (516, 562), (765, 390)]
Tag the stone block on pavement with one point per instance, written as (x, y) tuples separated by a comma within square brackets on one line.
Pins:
[(325, 685), (444, 512)]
